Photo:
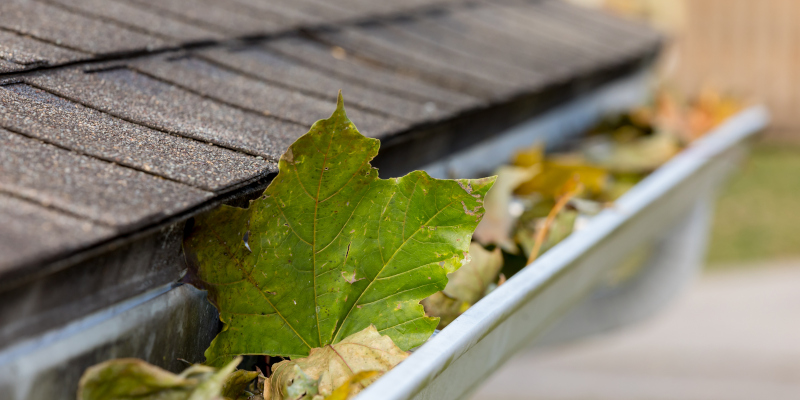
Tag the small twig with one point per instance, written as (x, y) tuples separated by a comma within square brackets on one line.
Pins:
[(541, 234)]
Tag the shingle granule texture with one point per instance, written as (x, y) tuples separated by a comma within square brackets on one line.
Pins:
[(28, 51), (139, 98), (141, 18), (29, 231), (100, 191), (337, 62), (74, 31), (6, 66), (300, 12), (224, 85), (229, 17), (279, 70), (36, 113), (437, 69)]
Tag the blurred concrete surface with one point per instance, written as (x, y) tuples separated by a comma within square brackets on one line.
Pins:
[(735, 335)]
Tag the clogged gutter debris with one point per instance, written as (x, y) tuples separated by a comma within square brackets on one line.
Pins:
[(329, 266), (539, 199)]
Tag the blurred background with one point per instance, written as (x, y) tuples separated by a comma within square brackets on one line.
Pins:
[(736, 333)]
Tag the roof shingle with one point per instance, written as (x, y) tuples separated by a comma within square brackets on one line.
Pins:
[(86, 187), (42, 115), (105, 133)]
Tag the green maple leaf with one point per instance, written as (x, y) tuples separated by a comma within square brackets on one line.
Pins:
[(330, 248)]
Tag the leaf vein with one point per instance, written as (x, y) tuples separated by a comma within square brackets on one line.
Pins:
[(339, 330)]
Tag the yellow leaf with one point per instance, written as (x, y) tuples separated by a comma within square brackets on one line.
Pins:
[(555, 175), (529, 156), (345, 391)]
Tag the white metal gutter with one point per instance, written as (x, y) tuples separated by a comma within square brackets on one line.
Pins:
[(454, 362)]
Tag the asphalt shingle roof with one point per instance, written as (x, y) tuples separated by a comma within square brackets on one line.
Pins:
[(119, 116)]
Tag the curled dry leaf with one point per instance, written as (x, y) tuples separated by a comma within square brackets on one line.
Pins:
[(640, 156), (469, 282), (466, 285), (445, 308), (330, 249), (130, 378), (355, 361), (497, 223)]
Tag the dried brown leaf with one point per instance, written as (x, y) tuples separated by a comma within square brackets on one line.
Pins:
[(326, 368)]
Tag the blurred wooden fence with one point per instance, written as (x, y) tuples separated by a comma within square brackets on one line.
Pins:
[(750, 47)]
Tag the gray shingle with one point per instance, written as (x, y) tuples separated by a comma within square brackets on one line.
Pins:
[(219, 83), (84, 186), (229, 17), (26, 50), (135, 97), (142, 19), (628, 36), (338, 63), (436, 70), (67, 29), (6, 66), (303, 11), (280, 70), (462, 30), (391, 36), (31, 232), (56, 120), (542, 45), (536, 20)]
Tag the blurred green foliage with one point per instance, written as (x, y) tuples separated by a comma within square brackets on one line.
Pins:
[(758, 212)]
